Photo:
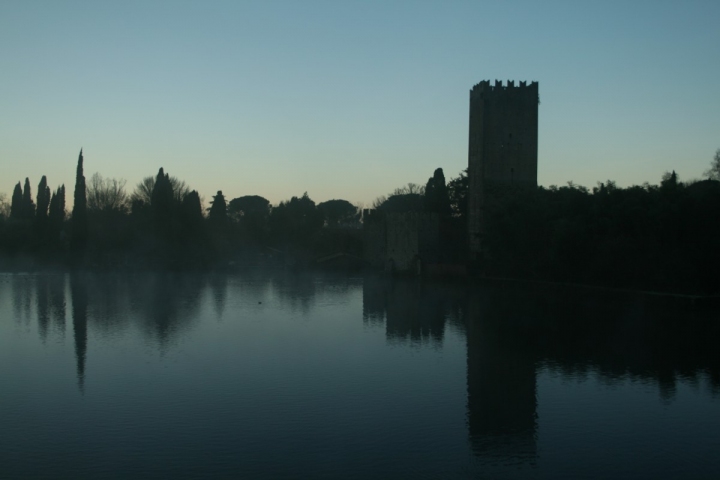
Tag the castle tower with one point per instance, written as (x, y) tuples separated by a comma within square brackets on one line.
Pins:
[(502, 145)]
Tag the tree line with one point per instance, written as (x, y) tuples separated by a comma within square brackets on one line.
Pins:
[(162, 223), (661, 237)]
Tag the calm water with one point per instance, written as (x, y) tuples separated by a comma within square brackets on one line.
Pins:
[(297, 376)]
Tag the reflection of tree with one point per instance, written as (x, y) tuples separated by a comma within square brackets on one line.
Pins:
[(21, 297), (414, 311), (42, 295), (296, 290), (166, 304), (78, 292), (57, 300), (218, 286), (612, 333)]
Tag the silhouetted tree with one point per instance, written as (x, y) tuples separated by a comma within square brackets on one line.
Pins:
[(436, 194), (4, 206), (28, 206), (162, 203), (295, 220), (192, 209), (248, 205), (106, 194), (16, 205), (713, 173), (79, 212), (337, 212), (457, 192), (43, 199), (56, 214), (144, 190), (57, 205), (218, 209), (407, 202)]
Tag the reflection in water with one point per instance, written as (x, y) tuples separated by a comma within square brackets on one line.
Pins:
[(78, 292), (502, 401), (57, 301), (166, 304), (414, 311), (42, 293), (218, 285), (506, 337)]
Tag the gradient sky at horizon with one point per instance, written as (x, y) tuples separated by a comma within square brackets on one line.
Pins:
[(349, 99)]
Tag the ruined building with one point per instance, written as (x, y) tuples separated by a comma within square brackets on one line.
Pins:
[(502, 147)]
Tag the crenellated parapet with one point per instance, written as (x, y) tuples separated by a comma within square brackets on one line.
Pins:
[(485, 86)]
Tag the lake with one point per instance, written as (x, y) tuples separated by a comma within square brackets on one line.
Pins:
[(281, 375)]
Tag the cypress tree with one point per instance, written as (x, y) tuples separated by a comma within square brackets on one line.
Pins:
[(57, 206), (218, 211), (16, 205), (43, 199), (437, 199), (79, 212), (162, 202), (56, 216), (28, 206)]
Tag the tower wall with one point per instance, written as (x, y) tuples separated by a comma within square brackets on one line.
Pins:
[(502, 148)]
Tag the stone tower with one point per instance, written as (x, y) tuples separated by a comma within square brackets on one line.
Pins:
[(502, 146)]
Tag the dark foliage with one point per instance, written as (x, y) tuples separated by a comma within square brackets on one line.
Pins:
[(406, 202), (218, 209), (79, 212), (28, 206), (339, 212), (652, 237), (16, 205), (43, 199), (437, 199)]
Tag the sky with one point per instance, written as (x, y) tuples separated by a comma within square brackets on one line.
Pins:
[(346, 99)]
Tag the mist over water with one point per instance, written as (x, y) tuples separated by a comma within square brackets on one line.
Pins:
[(327, 376)]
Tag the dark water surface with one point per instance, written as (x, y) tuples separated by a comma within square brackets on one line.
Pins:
[(299, 376)]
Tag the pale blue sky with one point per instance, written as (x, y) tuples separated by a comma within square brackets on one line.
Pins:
[(349, 99)]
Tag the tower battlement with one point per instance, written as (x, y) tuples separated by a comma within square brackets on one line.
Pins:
[(510, 84)]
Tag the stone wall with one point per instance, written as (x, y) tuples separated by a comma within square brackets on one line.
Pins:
[(397, 239)]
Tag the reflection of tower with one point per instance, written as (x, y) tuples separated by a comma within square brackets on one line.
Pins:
[(374, 299), (78, 292), (501, 390), (502, 147)]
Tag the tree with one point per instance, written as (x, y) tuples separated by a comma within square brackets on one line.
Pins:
[(296, 219), (192, 210), (248, 205), (79, 212), (406, 202), (43, 199), (4, 206), (16, 205), (28, 206), (713, 173), (218, 209), (162, 202), (144, 190), (457, 192), (106, 194), (436, 194), (56, 212), (337, 212)]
